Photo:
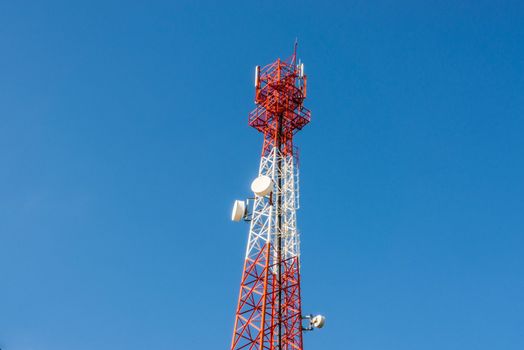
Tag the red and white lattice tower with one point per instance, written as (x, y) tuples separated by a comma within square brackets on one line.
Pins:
[(269, 312)]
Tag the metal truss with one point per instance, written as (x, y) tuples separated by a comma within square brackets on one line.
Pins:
[(268, 314)]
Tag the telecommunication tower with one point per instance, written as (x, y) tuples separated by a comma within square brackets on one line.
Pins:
[(269, 312)]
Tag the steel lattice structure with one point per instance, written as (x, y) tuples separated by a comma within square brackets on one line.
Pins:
[(269, 315)]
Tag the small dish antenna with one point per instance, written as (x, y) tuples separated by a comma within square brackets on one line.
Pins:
[(239, 210), (318, 321), (262, 186)]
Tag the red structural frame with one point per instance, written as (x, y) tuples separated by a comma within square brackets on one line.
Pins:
[(280, 93), (269, 313)]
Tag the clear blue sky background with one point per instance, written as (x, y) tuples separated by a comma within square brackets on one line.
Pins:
[(124, 141)]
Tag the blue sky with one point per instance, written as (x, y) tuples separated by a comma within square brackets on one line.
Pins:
[(124, 141)]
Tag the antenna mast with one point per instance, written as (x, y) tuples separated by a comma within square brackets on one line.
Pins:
[(269, 311)]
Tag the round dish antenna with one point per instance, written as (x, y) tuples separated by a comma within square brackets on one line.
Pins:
[(318, 321), (262, 186), (239, 210)]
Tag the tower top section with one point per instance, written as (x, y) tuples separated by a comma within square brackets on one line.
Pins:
[(280, 90)]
